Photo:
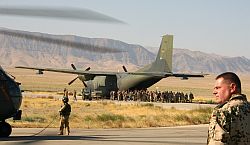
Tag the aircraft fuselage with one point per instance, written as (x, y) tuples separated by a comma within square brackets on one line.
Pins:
[(105, 84)]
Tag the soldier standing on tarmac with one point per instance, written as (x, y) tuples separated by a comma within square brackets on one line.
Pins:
[(64, 115)]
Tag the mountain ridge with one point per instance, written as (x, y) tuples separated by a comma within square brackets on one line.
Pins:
[(16, 51)]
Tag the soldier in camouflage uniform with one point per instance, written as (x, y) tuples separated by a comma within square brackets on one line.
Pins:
[(64, 116), (230, 120)]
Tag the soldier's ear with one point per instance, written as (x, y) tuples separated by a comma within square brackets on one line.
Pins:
[(233, 88)]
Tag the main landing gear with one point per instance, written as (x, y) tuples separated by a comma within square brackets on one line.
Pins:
[(5, 129)]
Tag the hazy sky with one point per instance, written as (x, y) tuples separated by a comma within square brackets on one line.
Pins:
[(212, 26)]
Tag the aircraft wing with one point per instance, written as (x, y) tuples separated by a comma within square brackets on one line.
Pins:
[(106, 73), (69, 71)]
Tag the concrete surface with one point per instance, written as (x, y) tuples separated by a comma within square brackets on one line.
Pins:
[(183, 135)]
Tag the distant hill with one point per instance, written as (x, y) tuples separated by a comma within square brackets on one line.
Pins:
[(19, 51), (186, 60)]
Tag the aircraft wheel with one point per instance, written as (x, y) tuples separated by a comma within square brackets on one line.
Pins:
[(5, 129)]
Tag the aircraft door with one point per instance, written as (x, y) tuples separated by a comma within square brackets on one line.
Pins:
[(111, 85), (105, 84)]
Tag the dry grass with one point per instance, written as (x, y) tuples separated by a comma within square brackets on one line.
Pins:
[(39, 112)]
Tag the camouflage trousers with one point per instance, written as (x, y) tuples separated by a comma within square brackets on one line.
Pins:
[(64, 123)]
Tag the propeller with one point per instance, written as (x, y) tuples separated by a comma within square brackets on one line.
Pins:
[(85, 85), (72, 81), (61, 13), (73, 66), (48, 39), (87, 69), (124, 68)]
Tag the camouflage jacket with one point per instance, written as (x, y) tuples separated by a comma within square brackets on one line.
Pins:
[(230, 122), (65, 110)]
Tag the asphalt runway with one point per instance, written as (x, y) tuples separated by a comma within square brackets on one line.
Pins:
[(182, 135)]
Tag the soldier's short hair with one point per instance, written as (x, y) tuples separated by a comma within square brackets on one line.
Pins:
[(231, 78)]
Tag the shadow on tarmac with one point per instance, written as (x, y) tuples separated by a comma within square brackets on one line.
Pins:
[(33, 139), (37, 138)]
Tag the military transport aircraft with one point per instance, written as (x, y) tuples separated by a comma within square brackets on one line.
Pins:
[(104, 82)]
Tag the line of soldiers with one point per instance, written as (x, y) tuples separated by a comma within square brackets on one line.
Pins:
[(152, 96)]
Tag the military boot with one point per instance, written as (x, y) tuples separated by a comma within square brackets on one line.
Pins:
[(61, 132), (68, 131)]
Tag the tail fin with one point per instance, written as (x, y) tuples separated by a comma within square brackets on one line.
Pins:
[(163, 62), (165, 54)]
